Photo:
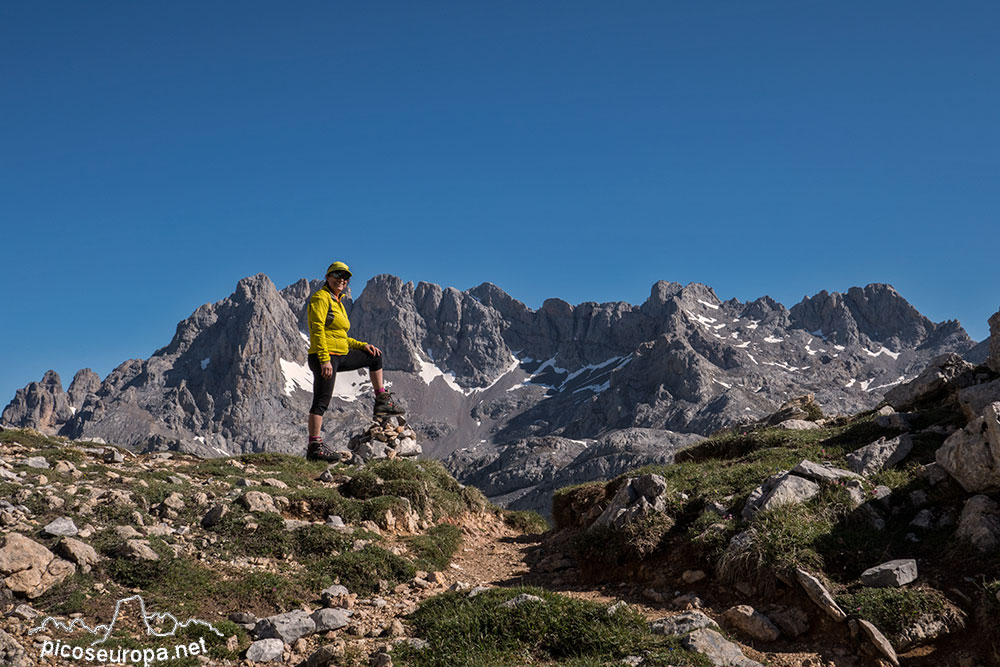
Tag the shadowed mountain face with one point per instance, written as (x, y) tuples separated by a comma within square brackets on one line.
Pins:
[(480, 371)]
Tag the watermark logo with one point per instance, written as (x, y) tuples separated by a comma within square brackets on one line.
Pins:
[(156, 624)]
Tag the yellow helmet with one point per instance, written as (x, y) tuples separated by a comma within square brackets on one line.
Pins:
[(338, 266)]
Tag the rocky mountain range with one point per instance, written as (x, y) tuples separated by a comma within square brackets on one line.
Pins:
[(493, 386)]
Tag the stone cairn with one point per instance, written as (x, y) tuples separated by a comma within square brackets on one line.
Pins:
[(386, 438)]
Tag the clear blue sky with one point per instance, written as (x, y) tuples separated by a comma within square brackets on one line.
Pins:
[(152, 154)]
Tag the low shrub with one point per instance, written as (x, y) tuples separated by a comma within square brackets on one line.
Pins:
[(434, 549), (360, 571), (558, 630), (891, 609), (526, 521)]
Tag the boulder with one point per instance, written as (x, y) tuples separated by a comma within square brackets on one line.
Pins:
[(79, 552), (993, 361), (797, 425), (408, 447), (798, 408), (266, 650), (979, 523), (817, 592), (336, 596), (929, 627), (682, 623), (330, 619), (174, 501), (751, 622), (637, 497), (974, 399), (113, 456), (258, 501), (781, 489), (880, 646), (214, 515), (37, 462), (11, 652), (137, 550), (944, 372), (29, 568), (328, 655), (61, 527), (879, 455), (895, 420), (244, 620), (287, 627), (25, 612), (894, 573), (792, 621), (822, 472), (718, 649), (972, 455), (126, 532)]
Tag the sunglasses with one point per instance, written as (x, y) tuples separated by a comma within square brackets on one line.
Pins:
[(342, 275)]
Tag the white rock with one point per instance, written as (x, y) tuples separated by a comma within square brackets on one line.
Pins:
[(817, 593), (266, 650), (879, 455), (979, 523), (894, 573)]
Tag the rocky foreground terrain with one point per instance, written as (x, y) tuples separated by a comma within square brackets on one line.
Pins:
[(801, 539)]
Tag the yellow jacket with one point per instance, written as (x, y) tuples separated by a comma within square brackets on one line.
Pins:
[(328, 326)]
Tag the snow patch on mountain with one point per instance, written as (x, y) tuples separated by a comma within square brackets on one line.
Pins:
[(884, 350), (296, 376), (429, 371)]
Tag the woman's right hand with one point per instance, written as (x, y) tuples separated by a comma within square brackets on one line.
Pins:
[(326, 370)]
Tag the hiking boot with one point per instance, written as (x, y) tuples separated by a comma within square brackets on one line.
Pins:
[(384, 405), (318, 451)]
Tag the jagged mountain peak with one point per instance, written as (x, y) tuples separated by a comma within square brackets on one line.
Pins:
[(663, 290), (51, 380), (873, 315), (253, 288)]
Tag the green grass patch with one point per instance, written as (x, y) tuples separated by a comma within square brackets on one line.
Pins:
[(269, 539), (891, 610), (736, 444), (115, 514), (785, 539), (528, 522), (324, 502), (710, 533), (261, 593), (53, 449), (425, 484), (68, 596), (561, 630), (360, 571), (434, 549), (134, 573)]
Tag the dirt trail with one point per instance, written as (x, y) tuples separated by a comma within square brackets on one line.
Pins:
[(496, 555)]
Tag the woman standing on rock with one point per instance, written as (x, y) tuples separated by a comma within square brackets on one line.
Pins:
[(331, 351)]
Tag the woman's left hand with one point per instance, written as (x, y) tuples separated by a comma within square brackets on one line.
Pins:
[(372, 350)]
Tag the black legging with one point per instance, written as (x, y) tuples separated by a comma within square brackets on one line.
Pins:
[(323, 387)]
